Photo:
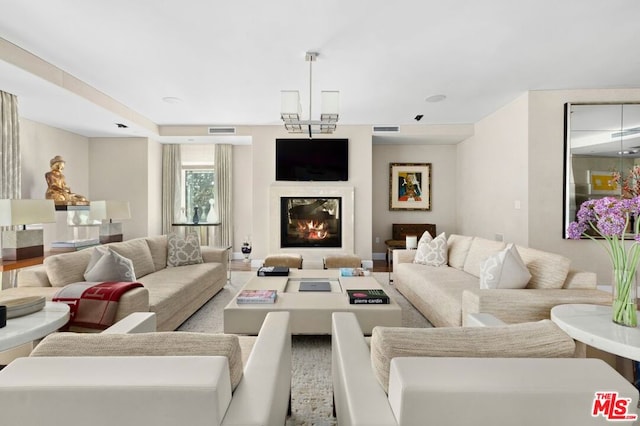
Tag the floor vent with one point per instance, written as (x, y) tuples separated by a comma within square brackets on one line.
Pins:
[(386, 129), (222, 130)]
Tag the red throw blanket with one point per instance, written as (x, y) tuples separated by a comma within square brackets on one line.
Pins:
[(93, 305)]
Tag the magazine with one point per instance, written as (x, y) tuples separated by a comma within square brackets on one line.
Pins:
[(368, 296), (256, 296)]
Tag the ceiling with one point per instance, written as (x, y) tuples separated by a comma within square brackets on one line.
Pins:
[(227, 61)]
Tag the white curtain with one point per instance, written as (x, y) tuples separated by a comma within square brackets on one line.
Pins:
[(10, 181), (223, 202), (171, 185), (10, 176)]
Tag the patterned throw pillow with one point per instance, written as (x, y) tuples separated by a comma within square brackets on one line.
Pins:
[(107, 265), (183, 251), (432, 252), (504, 269)]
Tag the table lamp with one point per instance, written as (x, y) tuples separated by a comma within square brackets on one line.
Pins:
[(24, 243), (412, 242), (104, 210)]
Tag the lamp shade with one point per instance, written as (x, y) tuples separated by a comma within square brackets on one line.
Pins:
[(109, 209), (290, 105), (412, 242), (26, 212), (330, 103)]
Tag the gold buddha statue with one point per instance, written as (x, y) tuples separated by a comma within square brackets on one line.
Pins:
[(57, 190)]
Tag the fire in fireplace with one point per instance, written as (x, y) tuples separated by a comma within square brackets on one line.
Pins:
[(310, 222)]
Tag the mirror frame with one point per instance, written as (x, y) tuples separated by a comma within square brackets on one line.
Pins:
[(625, 131)]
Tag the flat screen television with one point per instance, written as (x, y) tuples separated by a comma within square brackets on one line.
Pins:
[(312, 159)]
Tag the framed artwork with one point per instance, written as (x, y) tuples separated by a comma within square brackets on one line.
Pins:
[(410, 186), (602, 183)]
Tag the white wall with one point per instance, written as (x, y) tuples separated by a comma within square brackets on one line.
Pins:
[(443, 189), (154, 188), (242, 195), (120, 170), (493, 176)]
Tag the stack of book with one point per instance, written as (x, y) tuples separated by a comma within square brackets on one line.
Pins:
[(368, 296), (273, 271), (256, 296), (352, 272), (72, 245)]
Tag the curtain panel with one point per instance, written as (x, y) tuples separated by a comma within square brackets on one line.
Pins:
[(223, 190), (10, 173), (171, 185)]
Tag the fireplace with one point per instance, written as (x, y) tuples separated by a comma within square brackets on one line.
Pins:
[(310, 222)]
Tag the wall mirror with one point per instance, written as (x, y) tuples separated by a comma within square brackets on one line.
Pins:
[(602, 141)]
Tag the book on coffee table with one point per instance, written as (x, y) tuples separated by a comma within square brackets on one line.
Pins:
[(257, 296), (273, 271), (368, 296)]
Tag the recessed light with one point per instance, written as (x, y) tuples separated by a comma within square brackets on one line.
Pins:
[(121, 126), (418, 117), (171, 100), (436, 98)]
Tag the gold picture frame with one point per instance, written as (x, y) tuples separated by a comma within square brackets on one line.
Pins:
[(409, 186)]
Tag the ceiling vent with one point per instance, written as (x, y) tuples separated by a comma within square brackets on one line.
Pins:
[(222, 130), (386, 129)]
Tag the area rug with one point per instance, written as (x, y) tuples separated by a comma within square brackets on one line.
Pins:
[(311, 384)]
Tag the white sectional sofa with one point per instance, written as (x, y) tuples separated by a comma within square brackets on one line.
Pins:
[(173, 293), (446, 294)]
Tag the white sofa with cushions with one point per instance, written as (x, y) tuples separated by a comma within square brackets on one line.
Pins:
[(446, 294), (509, 374), (174, 293), (149, 378)]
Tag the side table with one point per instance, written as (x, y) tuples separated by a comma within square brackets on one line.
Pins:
[(34, 326)]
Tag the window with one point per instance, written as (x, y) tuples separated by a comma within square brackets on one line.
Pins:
[(198, 191)]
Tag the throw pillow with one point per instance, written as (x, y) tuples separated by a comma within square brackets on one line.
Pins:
[(183, 251), (432, 252), (425, 238), (504, 269), (107, 265)]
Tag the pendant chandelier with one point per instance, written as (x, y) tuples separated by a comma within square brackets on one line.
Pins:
[(291, 109)]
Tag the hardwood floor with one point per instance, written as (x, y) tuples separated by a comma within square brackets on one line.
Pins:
[(240, 265)]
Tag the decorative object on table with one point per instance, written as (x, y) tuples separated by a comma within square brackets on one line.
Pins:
[(257, 296), (411, 242), (324, 286), (196, 215), (368, 296), (353, 272), (212, 216), (106, 211), (57, 189), (20, 306), (246, 248), (610, 218), (24, 243), (410, 186), (273, 271)]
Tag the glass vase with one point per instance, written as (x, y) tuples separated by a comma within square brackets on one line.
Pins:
[(625, 290)]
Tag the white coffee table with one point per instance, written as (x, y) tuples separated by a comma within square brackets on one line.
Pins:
[(593, 326), (28, 328), (310, 311)]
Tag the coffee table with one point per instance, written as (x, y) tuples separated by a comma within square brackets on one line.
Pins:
[(310, 311), (34, 326)]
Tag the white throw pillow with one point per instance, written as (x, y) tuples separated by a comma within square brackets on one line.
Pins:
[(432, 252), (504, 269), (425, 238), (107, 265), (183, 251)]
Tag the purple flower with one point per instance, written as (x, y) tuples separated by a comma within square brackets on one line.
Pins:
[(586, 212), (575, 230), (612, 224), (607, 205)]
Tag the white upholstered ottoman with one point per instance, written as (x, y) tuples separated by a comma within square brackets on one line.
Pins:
[(107, 391), (503, 391)]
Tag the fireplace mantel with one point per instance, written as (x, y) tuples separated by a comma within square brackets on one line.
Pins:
[(315, 191)]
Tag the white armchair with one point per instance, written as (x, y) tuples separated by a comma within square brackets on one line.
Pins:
[(479, 376), (159, 378)]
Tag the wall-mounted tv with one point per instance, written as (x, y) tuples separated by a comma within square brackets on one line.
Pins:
[(312, 159)]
